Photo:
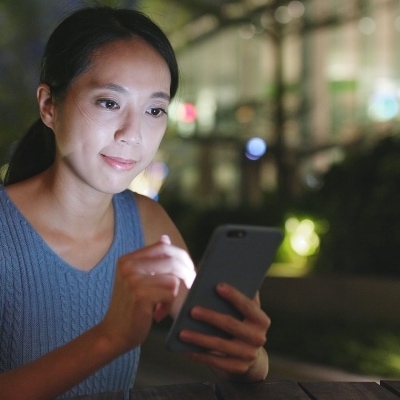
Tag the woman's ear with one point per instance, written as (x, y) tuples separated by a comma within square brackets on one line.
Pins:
[(46, 105)]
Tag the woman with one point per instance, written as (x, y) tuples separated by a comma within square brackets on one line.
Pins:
[(86, 265)]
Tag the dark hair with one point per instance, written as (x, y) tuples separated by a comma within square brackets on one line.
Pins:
[(67, 55)]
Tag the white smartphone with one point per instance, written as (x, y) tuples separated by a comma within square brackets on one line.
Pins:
[(239, 255)]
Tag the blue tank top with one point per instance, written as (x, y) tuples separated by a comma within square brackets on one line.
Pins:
[(45, 302)]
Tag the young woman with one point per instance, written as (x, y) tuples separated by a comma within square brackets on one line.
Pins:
[(86, 265)]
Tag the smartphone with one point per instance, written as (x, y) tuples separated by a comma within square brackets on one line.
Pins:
[(239, 255)]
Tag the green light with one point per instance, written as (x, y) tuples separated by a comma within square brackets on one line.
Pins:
[(303, 238)]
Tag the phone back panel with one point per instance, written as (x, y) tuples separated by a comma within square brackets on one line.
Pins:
[(239, 255)]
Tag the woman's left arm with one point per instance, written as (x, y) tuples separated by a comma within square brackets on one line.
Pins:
[(241, 357)]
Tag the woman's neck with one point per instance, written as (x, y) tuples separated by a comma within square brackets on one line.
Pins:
[(70, 221)]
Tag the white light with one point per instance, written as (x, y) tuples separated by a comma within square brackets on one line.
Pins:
[(206, 105), (247, 31), (296, 9), (383, 107), (291, 224), (282, 15), (303, 239), (367, 25)]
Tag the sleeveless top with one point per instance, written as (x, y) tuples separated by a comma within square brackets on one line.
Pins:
[(45, 302)]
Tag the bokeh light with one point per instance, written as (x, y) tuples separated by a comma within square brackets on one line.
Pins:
[(303, 238), (187, 113), (255, 148), (282, 15), (383, 107), (150, 181), (367, 26), (296, 9)]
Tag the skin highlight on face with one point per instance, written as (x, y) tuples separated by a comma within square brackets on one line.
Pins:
[(115, 114)]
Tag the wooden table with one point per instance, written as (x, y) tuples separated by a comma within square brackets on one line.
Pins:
[(281, 390)]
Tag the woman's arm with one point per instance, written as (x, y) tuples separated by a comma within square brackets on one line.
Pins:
[(242, 357), (59, 370), (144, 279)]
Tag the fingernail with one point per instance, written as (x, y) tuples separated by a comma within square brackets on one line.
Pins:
[(195, 312), (166, 239), (221, 286), (184, 335)]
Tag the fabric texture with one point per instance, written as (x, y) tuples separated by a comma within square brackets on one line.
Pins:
[(45, 302)]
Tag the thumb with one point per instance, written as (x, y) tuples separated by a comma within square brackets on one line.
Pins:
[(165, 239)]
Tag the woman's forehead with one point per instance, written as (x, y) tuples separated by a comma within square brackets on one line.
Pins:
[(128, 62), (134, 46)]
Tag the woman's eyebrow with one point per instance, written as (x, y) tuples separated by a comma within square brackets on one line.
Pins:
[(161, 95), (120, 89), (113, 87)]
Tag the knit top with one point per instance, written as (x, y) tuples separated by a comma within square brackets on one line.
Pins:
[(45, 302)]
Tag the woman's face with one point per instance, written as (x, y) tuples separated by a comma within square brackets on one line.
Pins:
[(114, 116)]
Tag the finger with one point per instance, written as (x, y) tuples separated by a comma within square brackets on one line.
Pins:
[(257, 299), (165, 239), (248, 308), (159, 258), (216, 345), (227, 364), (148, 292), (143, 283), (179, 300), (245, 330), (166, 266), (179, 292), (162, 248), (161, 310)]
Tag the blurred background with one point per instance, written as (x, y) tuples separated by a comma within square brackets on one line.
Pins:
[(288, 115)]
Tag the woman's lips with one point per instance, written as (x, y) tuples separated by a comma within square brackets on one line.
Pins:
[(120, 164)]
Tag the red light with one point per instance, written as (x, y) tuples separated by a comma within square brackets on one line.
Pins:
[(187, 113)]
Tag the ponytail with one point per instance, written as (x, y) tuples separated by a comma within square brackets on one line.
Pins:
[(34, 153)]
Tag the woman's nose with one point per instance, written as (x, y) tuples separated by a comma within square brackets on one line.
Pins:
[(129, 133)]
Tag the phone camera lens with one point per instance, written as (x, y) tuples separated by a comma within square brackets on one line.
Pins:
[(236, 233)]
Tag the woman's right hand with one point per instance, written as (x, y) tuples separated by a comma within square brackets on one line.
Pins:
[(146, 284)]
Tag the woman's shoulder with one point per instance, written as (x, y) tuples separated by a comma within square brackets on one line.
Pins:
[(146, 203), (137, 203), (156, 221), (6, 203), (151, 212)]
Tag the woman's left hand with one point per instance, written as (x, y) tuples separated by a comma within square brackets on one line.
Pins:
[(241, 357)]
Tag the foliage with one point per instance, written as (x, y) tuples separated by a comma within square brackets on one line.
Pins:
[(372, 349), (360, 199), (359, 202)]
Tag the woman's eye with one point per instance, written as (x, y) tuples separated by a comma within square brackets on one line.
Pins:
[(156, 112), (109, 104)]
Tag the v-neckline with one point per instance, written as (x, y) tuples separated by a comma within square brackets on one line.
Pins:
[(65, 264)]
